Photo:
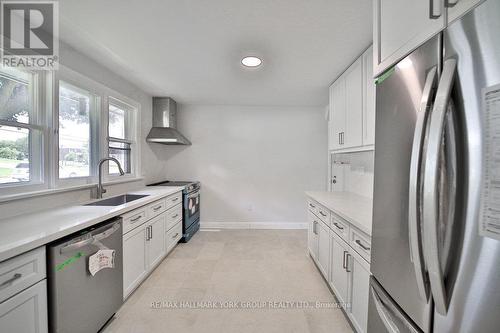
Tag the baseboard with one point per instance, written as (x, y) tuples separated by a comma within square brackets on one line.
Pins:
[(252, 225)]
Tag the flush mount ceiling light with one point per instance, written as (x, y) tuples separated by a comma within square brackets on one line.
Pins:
[(251, 61)]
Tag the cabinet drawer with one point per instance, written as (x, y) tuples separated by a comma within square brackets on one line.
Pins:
[(340, 227), (323, 214), (173, 236), (361, 243), (174, 215), (312, 206), (174, 199), (156, 208), (133, 219), (21, 272)]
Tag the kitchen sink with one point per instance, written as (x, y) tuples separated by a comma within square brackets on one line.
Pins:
[(117, 201)]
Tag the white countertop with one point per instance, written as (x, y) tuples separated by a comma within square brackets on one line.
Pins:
[(26, 232), (354, 208)]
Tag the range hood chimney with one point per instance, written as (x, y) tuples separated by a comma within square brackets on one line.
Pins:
[(165, 122)]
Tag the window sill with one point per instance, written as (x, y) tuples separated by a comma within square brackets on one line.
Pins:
[(27, 195)]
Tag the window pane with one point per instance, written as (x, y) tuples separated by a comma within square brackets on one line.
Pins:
[(120, 151), (14, 155), (74, 132), (116, 122), (15, 100)]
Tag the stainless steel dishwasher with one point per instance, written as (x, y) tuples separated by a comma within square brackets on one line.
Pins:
[(78, 300)]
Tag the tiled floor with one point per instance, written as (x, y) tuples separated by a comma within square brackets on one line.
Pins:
[(226, 266)]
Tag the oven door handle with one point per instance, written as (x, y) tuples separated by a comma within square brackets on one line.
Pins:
[(193, 195)]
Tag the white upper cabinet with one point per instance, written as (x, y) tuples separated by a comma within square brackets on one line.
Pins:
[(337, 114), (401, 26), (352, 107), (369, 99), (353, 136), (457, 8)]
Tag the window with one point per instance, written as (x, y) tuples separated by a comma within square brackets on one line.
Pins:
[(121, 135), (20, 130), (56, 126), (74, 132)]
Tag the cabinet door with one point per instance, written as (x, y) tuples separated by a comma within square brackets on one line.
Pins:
[(338, 272), (156, 240), (339, 110), (458, 8), (312, 239), (369, 99), (27, 311), (360, 283), (323, 248), (134, 259), (403, 25), (353, 136), (332, 140)]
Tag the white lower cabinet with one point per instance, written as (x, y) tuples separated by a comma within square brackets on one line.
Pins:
[(135, 267), (360, 281), (323, 248), (313, 235), (342, 263), (339, 276), (173, 236), (145, 245), (156, 240), (26, 312)]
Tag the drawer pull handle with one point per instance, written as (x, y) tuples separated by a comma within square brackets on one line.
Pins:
[(338, 226), (157, 207), (9, 281), (136, 219), (366, 248), (322, 213), (174, 216), (312, 206), (177, 234), (175, 199)]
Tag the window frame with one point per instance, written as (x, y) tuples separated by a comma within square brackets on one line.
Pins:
[(85, 85), (132, 109), (38, 130)]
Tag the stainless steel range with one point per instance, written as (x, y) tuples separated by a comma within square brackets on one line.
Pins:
[(190, 204)]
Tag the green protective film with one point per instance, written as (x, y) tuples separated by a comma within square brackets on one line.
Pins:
[(69, 261), (384, 76)]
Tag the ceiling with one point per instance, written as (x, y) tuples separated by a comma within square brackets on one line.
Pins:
[(191, 49)]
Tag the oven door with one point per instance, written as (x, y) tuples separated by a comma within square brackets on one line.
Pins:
[(191, 208)]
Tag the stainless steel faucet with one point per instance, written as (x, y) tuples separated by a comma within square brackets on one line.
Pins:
[(100, 188)]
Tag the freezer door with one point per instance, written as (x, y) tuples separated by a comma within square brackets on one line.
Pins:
[(472, 283), (399, 101), (385, 316)]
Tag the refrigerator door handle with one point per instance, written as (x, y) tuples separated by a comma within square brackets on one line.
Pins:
[(414, 204), (431, 183)]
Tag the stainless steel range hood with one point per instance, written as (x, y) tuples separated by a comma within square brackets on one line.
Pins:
[(165, 122)]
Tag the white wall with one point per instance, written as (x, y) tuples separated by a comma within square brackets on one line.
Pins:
[(254, 163)]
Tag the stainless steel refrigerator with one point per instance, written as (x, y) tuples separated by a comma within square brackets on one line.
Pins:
[(436, 216)]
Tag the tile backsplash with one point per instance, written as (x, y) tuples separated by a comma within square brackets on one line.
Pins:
[(353, 172)]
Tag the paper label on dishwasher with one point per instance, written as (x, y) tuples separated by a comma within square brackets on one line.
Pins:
[(100, 260), (489, 224)]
